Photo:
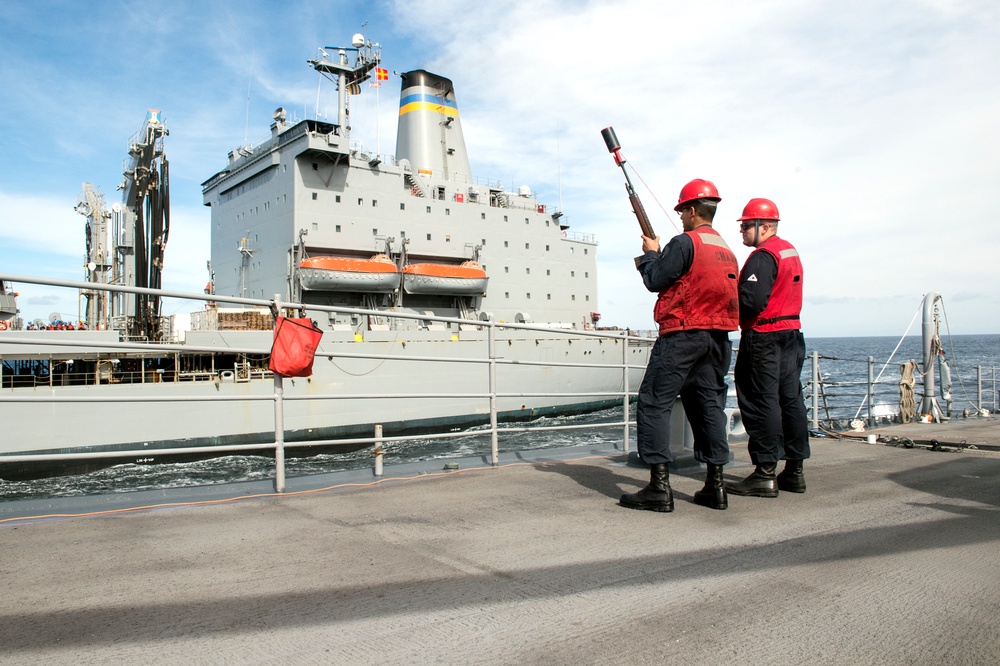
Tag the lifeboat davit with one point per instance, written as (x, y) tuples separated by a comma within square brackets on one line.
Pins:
[(464, 280), (377, 274)]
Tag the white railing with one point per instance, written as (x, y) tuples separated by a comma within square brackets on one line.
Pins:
[(491, 362)]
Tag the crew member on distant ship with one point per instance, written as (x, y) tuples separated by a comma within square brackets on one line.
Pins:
[(695, 277), (769, 362)]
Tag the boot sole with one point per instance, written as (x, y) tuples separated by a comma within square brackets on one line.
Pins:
[(659, 508), (711, 505), (752, 493), (792, 489)]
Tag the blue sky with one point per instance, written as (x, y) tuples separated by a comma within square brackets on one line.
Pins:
[(872, 125)]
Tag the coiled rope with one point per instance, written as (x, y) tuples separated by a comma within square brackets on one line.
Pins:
[(907, 404)]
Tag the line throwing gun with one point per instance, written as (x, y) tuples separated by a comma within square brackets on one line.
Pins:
[(615, 148)]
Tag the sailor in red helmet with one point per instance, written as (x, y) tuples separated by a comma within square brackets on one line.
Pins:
[(769, 362), (697, 306)]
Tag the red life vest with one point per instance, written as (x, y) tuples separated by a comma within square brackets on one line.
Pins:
[(706, 296), (785, 303)]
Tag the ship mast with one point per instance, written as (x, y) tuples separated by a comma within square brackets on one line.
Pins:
[(347, 76)]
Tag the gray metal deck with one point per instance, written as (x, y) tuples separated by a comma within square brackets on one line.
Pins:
[(889, 558)]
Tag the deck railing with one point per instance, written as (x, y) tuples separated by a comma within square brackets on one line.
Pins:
[(490, 362)]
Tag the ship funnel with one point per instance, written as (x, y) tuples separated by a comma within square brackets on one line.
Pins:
[(430, 130)]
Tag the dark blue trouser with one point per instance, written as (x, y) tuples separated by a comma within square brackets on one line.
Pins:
[(692, 364), (769, 391)]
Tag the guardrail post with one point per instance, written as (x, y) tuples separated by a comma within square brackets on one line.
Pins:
[(871, 390), (494, 440), (979, 388), (279, 423), (625, 405), (377, 471), (815, 395)]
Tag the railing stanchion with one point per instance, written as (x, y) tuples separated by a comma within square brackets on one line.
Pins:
[(494, 442), (979, 388), (377, 471), (279, 423), (625, 385), (815, 395), (871, 390)]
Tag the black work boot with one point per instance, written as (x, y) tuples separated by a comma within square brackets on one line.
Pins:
[(762, 483), (713, 495), (657, 496), (791, 478)]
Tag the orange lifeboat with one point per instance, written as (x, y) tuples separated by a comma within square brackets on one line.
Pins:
[(466, 279), (377, 274)]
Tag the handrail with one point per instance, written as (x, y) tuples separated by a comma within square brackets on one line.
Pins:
[(492, 359)]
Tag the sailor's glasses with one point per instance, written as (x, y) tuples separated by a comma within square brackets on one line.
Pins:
[(746, 225)]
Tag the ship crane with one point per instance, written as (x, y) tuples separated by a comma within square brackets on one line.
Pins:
[(146, 203), (98, 267)]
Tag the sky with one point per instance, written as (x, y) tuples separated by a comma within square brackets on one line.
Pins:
[(872, 124)]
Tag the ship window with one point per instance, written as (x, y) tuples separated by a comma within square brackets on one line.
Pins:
[(506, 294), (548, 271), (527, 271), (585, 250), (504, 218), (572, 273), (315, 226), (374, 232), (505, 243), (447, 239), (336, 198), (506, 269), (573, 297), (402, 206), (526, 220), (546, 248), (484, 241), (361, 202), (572, 250), (546, 223), (528, 295), (314, 196), (588, 297), (527, 246), (447, 211), (587, 274), (338, 228), (440, 193), (428, 236), (548, 297), (374, 203), (402, 234), (284, 168), (428, 209), (482, 216)]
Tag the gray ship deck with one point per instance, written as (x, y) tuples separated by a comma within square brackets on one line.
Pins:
[(889, 558)]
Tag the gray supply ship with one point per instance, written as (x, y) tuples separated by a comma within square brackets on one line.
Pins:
[(350, 236)]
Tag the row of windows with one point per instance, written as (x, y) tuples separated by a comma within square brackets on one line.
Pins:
[(548, 297), (402, 206)]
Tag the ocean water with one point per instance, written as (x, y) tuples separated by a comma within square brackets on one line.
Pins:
[(843, 367)]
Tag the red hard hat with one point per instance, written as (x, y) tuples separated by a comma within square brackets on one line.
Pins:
[(697, 189), (760, 209)]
